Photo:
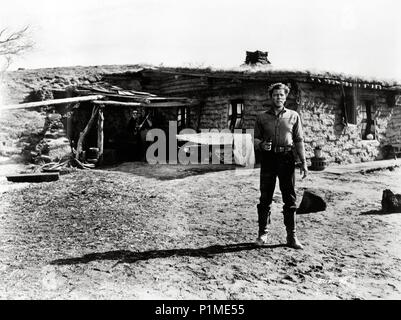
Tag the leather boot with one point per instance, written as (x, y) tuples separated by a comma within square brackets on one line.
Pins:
[(263, 220), (290, 225)]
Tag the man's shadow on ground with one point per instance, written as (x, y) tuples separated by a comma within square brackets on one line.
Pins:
[(126, 256)]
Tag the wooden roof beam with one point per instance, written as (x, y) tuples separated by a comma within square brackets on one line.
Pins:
[(118, 103), (170, 104)]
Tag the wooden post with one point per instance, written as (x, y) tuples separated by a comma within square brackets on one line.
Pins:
[(100, 134), (85, 131)]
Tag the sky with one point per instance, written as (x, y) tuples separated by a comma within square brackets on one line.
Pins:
[(361, 37)]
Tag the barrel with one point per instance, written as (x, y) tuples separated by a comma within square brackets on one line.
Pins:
[(318, 164), (92, 153)]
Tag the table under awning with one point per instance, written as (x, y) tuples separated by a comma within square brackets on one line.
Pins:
[(242, 143)]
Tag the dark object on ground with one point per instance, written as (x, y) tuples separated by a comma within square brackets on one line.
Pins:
[(391, 151), (312, 201), (318, 164), (33, 177), (391, 202)]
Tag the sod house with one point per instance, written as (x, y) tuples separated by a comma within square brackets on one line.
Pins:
[(353, 119)]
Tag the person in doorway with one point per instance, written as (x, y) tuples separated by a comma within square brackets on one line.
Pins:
[(132, 149), (138, 127), (133, 124), (278, 131)]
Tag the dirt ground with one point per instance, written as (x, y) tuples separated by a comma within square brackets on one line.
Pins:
[(164, 232)]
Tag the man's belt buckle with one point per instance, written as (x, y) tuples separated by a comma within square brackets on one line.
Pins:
[(282, 149)]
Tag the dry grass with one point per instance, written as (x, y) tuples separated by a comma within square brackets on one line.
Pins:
[(117, 235)]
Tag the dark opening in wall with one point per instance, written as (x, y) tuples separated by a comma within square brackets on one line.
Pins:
[(368, 128), (349, 104)]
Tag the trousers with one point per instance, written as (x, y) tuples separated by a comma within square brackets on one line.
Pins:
[(282, 166)]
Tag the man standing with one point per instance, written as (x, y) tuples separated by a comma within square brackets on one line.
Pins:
[(277, 132)]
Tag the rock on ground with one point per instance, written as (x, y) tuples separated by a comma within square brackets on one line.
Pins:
[(391, 202)]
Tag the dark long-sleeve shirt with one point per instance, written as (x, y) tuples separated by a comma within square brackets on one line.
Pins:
[(285, 129)]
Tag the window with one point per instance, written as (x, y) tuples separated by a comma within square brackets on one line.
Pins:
[(368, 127), (235, 114), (182, 118)]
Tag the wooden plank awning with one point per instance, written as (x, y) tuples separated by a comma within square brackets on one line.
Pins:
[(162, 103), (110, 96), (140, 98), (51, 102)]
